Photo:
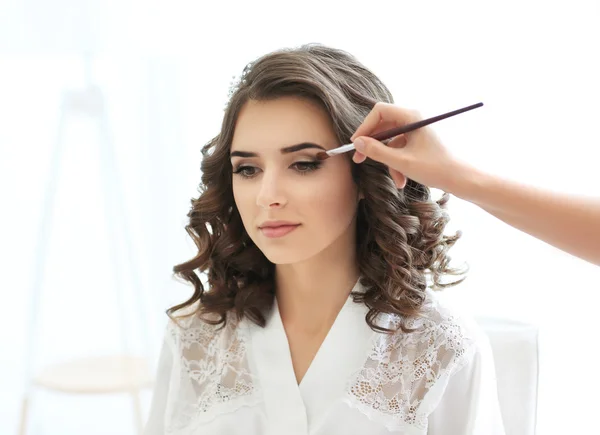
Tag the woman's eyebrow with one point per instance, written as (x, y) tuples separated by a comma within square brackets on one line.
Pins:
[(285, 150)]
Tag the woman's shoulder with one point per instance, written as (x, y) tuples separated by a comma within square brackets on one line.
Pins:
[(209, 368), (188, 326), (415, 366), (442, 329), (450, 319)]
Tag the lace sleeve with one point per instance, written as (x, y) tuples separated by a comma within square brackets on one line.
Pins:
[(406, 376), (209, 375), (469, 404)]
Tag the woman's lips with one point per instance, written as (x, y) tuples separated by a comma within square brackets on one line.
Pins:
[(278, 231)]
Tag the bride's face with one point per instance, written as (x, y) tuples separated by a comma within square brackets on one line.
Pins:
[(276, 177)]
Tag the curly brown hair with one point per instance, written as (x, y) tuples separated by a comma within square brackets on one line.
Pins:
[(401, 247)]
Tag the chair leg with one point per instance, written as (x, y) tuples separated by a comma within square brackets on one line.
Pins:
[(24, 415), (137, 411)]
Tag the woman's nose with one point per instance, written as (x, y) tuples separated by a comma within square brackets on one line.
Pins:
[(271, 193)]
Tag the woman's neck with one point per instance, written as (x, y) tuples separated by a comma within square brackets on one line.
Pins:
[(311, 294)]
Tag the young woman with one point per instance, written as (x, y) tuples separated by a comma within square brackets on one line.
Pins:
[(317, 312)]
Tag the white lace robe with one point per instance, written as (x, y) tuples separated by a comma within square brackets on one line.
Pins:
[(240, 380)]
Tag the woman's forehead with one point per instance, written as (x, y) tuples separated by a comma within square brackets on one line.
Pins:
[(280, 123)]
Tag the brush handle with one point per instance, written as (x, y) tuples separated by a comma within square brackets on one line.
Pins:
[(393, 132)]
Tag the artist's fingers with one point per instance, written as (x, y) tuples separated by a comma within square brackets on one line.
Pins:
[(390, 156), (397, 142), (399, 178), (359, 157), (386, 113)]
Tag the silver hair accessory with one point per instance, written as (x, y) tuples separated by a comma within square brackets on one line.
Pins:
[(237, 81)]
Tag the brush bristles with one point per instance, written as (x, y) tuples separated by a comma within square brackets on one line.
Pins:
[(334, 152)]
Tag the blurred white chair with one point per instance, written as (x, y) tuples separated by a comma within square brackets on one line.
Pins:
[(123, 372), (515, 348)]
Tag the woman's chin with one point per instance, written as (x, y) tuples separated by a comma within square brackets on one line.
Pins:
[(281, 255)]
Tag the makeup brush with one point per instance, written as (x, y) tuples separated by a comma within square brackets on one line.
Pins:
[(388, 134)]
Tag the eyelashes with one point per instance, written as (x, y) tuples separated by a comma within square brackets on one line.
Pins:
[(302, 168)]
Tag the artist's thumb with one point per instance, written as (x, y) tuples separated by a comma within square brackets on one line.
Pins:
[(372, 148)]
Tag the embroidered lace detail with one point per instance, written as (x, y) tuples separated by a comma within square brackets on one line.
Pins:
[(213, 376), (404, 376)]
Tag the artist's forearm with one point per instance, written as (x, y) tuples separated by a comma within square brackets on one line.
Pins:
[(568, 222)]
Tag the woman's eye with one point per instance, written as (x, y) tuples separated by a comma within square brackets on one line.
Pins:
[(300, 167), (245, 171), (304, 167)]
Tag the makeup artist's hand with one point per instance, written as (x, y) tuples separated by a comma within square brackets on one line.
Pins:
[(418, 155), (568, 222)]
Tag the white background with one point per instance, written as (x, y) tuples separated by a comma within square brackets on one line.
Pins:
[(165, 68)]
